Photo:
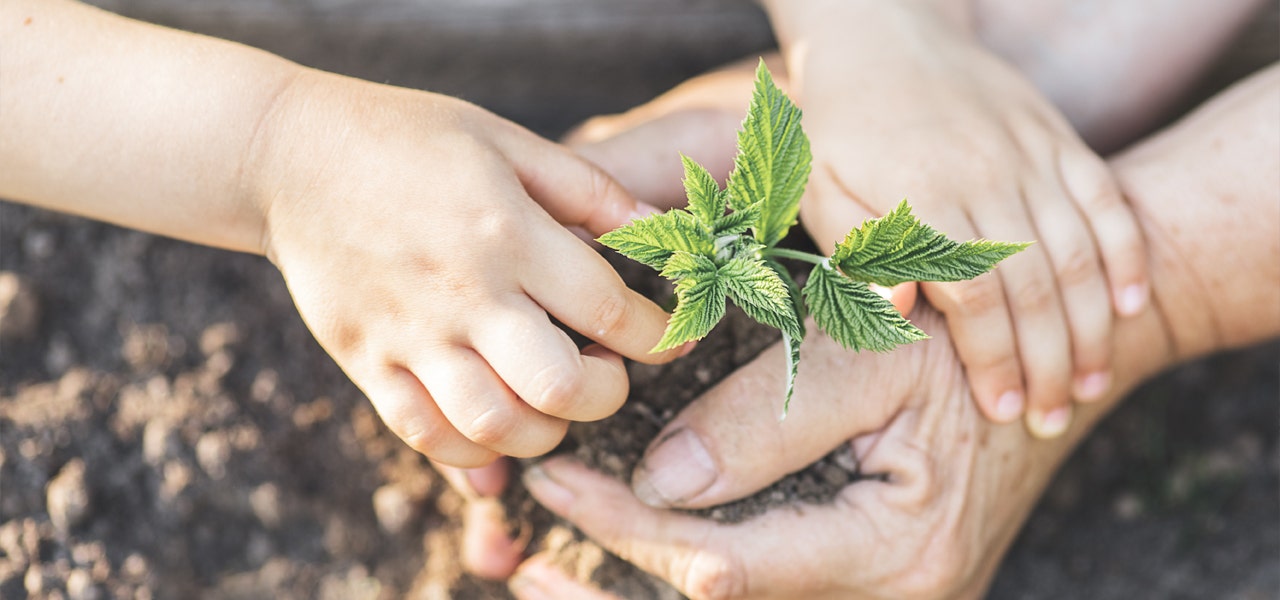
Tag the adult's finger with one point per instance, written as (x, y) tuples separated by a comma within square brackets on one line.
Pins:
[(1083, 288), (702, 558), (1039, 320), (729, 443), (1120, 243)]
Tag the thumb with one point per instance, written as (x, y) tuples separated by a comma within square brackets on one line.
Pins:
[(573, 190), (729, 443)]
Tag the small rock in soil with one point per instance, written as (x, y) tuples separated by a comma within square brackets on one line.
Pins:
[(80, 586), (67, 498), (19, 308), (36, 580), (159, 442), (213, 450), (394, 508), (265, 502)]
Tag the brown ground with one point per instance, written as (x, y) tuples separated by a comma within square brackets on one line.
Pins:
[(169, 429)]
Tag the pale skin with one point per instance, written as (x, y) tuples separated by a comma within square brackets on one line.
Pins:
[(902, 99), (909, 99), (425, 241), (700, 116), (957, 487)]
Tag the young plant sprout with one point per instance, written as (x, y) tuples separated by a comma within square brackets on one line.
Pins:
[(725, 247)]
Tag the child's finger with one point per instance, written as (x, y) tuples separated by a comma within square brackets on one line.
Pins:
[(1082, 286), (483, 409), (1115, 229), (581, 290), (1039, 321), (412, 415), (573, 190), (545, 369)]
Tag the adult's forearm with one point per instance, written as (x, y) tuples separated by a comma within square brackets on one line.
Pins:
[(1112, 68), (1204, 192), (132, 123)]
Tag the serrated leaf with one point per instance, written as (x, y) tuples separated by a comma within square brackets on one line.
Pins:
[(683, 264), (737, 221), (653, 239), (899, 247), (706, 201), (855, 316), (792, 344), (760, 292), (773, 161), (700, 305), (793, 290)]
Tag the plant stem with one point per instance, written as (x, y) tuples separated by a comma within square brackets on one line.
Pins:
[(808, 257)]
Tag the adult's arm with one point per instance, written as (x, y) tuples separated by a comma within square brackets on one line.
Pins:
[(957, 488)]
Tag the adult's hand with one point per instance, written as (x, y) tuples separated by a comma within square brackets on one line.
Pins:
[(954, 492), (956, 488)]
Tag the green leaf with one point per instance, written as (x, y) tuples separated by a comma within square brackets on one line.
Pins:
[(653, 239), (773, 161), (761, 293), (898, 247), (683, 264), (737, 221), (793, 290), (855, 316), (793, 368), (700, 304), (706, 201)]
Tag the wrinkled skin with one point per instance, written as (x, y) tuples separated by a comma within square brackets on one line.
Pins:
[(957, 487)]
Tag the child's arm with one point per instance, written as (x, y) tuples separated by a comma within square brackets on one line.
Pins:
[(421, 237), (902, 101)]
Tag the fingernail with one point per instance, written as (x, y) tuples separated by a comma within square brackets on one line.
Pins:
[(1093, 385), (1009, 406), (1133, 299), (642, 210), (675, 471), (526, 587), (1052, 424), (549, 492)]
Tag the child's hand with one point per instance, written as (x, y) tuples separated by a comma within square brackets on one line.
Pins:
[(922, 112), (424, 242)]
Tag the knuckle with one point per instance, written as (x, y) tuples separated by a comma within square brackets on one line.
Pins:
[(709, 576), (491, 427), (556, 389), (602, 187), (1036, 292), (426, 436), (1079, 266), (978, 296), (497, 226), (610, 316)]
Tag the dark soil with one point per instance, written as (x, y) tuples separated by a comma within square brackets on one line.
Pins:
[(169, 428)]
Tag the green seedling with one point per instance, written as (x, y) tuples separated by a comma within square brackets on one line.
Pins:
[(725, 246)]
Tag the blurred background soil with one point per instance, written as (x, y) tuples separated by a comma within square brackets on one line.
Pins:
[(169, 429)]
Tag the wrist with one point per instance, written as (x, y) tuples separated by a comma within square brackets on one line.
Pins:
[(275, 150), (873, 38)]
